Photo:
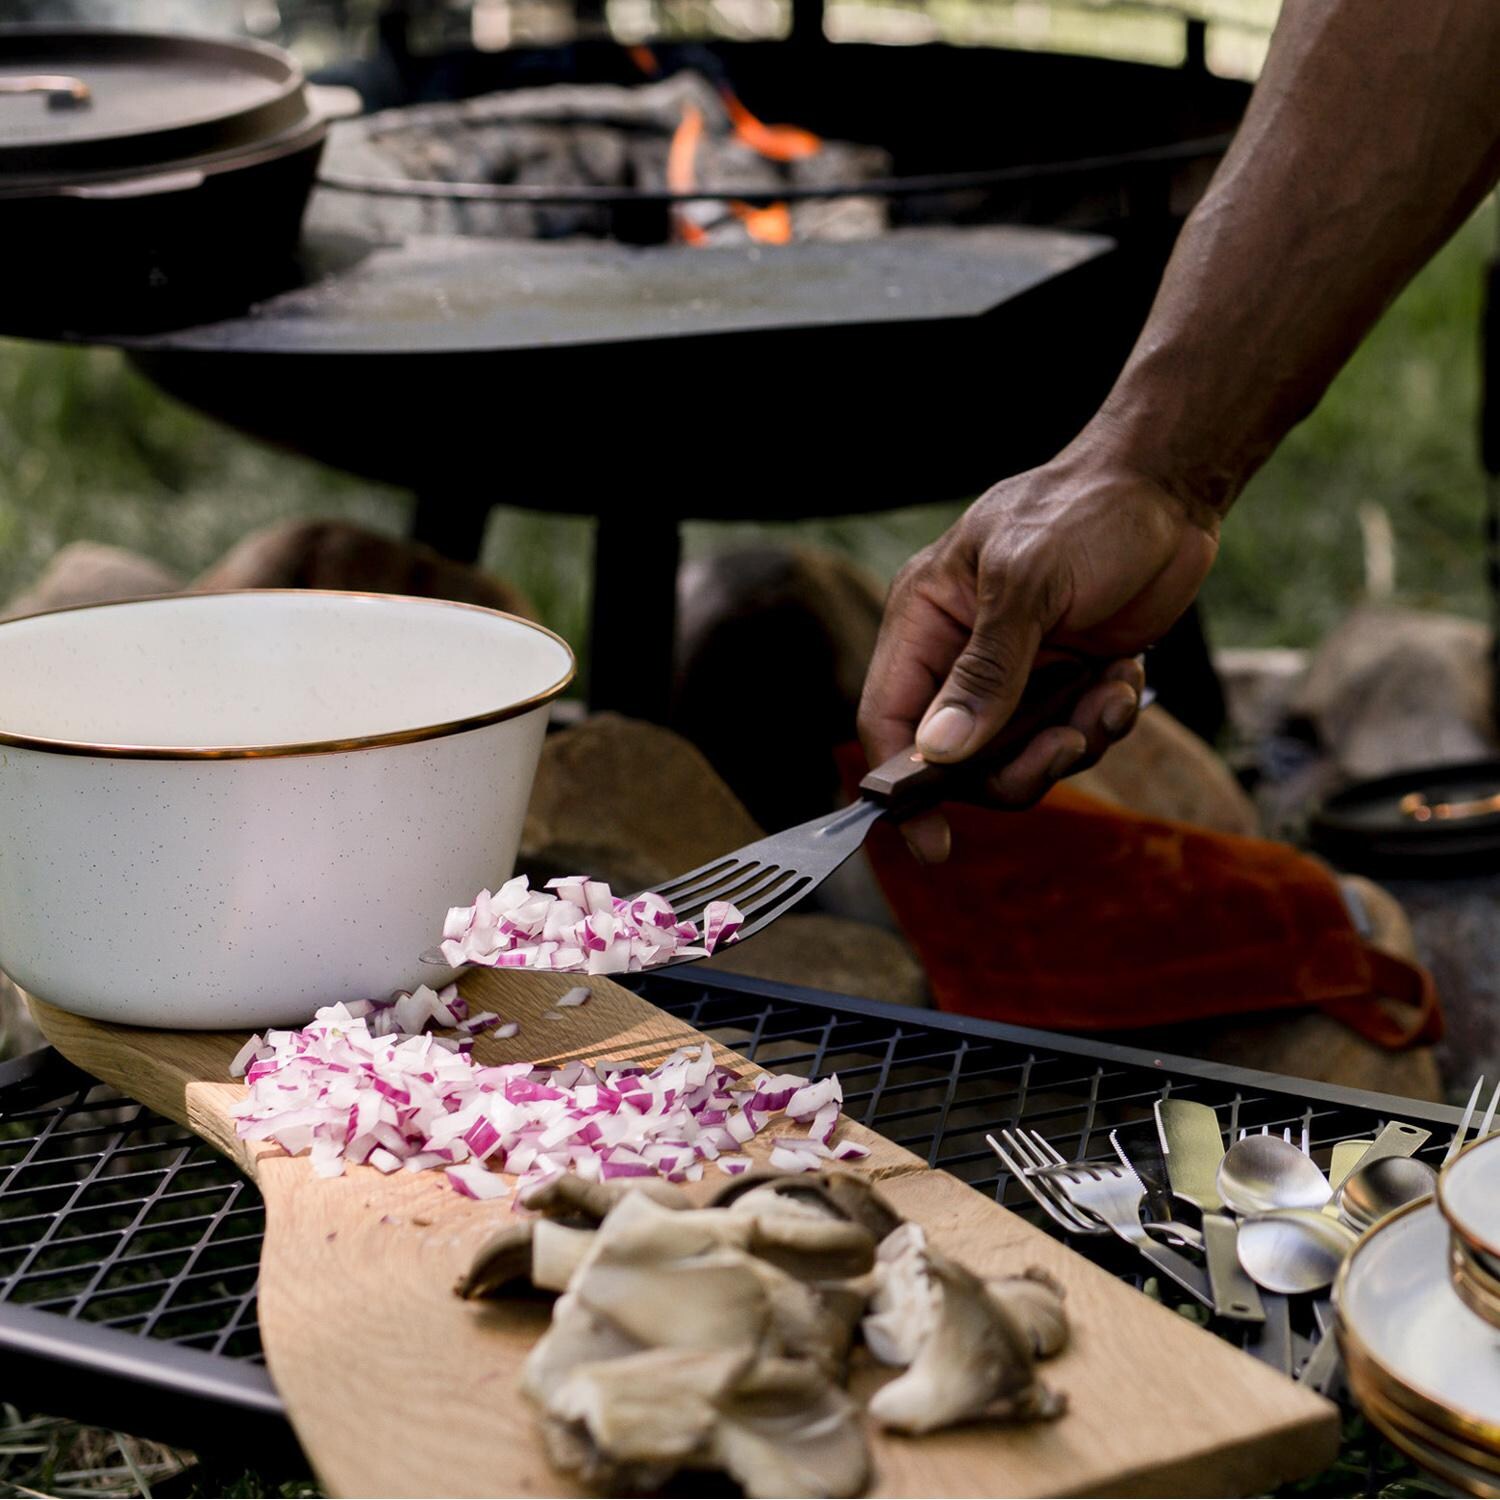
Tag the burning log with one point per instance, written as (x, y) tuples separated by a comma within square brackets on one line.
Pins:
[(680, 134)]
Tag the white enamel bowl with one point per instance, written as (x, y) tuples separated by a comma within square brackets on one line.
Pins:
[(225, 810)]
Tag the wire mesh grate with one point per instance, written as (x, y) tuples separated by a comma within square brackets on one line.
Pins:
[(113, 1217)]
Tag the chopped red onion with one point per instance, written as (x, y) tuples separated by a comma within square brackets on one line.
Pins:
[(349, 1089), (578, 925), (574, 997), (477, 1182)]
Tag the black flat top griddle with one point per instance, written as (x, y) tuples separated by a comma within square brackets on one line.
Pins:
[(639, 377), (450, 295)]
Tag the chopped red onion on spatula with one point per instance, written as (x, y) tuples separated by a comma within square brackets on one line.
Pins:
[(578, 925)]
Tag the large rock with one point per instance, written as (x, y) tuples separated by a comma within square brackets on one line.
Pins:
[(627, 802), (92, 573), (1259, 683), (824, 952), (336, 555), (1392, 688), (1307, 1045), (1163, 770), (773, 643)]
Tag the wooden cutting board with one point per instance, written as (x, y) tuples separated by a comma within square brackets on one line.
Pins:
[(396, 1387)]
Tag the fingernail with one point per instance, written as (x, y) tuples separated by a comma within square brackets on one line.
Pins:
[(1118, 713), (1064, 761), (916, 851), (946, 732)]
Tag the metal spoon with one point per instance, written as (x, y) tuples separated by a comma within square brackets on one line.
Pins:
[(1380, 1187), (1263, 1172), (1175, 1233), (1294, 1250)]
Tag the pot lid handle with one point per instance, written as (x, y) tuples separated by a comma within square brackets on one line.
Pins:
[(63, 91)]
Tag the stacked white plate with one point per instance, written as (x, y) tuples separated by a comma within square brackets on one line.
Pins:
[(1423, 1365)]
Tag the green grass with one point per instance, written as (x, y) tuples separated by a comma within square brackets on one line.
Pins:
[(1398, 428)]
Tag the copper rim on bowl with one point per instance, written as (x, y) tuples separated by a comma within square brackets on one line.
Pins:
[(406, 736)]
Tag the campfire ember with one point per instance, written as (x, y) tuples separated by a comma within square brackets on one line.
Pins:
[(684, 133)]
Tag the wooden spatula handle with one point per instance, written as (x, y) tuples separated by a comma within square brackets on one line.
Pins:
[(908, 783)]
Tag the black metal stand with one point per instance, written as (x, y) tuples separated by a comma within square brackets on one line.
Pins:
[(635, 580), (454, 526)]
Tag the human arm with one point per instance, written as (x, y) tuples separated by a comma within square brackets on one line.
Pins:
[(1373, 132)]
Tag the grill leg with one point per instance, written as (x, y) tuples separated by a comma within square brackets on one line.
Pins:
[(632, 632), (454, 526)]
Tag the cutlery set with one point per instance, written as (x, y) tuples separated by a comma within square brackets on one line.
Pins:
[(1270, 1225)]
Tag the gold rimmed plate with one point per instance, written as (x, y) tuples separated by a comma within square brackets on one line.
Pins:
[(1400, 1315), (1387, 1404), (1430, 1447), (1468, 1193), (1477, 1286)]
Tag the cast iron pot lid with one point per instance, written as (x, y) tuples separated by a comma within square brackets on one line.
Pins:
[(1424, 821), (78, 103)]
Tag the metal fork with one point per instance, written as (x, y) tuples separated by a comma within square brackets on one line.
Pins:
[(1113, 1193), (1047, 1196), (1457, 1143), (1057, 1206)]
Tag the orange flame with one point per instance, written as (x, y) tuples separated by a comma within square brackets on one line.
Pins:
[(771, 225), (774, 142), (645, 59), (682, 171)]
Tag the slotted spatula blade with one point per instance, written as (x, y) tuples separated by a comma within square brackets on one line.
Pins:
[(766, 878)]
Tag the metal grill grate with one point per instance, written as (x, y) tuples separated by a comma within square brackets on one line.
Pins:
[(118, 1217), (128, 1249)]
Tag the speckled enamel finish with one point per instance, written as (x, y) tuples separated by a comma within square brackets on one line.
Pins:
[(249, 890)]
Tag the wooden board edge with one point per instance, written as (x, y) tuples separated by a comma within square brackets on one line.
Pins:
[(1282, 1455)]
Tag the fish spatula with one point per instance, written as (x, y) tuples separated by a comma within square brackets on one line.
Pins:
[(767, 877)]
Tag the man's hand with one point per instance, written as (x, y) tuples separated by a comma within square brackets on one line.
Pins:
[(1373, 132), (1083, 555)]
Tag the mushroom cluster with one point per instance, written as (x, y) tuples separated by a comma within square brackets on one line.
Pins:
[(720, 1337)]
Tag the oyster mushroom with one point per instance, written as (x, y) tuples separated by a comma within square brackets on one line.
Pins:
[(675, 1346), (975, 1361), (785, 1429), (813, 1249), (711, 1300), (826, 1249), (806, 1323), (1035, 1300), (572, 1200), (843, 1195), (631, 1423), (904, 1304), (540, 1253), (688, 1280), (501, 1262), (557, 1251), (777, 1427), (576, 1336)]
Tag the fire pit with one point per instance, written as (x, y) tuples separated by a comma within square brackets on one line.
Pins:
[(951, 214)]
